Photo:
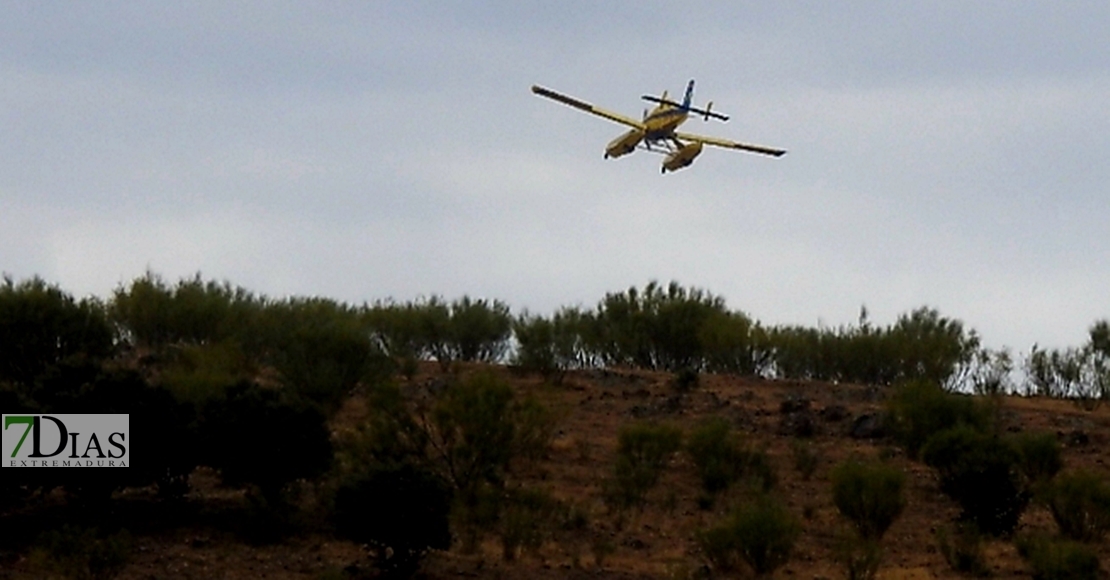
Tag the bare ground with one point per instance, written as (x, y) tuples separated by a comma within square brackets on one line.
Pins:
[(204, 537)]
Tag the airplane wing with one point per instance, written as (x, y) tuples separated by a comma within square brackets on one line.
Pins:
[(730, 144), (577, 104)]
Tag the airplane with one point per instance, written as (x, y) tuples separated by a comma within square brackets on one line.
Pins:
[(658, 129)]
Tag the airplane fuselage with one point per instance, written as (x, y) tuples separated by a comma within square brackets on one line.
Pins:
[(659, 125), (662, 122)]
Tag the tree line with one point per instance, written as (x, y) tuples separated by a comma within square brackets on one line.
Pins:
[(213, 329)]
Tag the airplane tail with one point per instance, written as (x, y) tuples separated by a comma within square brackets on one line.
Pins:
[(689, 95)]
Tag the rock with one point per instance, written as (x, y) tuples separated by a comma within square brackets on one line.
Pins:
[(867, 426)]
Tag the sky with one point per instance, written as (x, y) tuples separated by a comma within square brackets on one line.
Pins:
[(944, 154)]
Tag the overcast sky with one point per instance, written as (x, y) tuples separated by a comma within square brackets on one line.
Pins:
[(942, 154)]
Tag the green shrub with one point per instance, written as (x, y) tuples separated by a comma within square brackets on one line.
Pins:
[(860, 557), (733, 343), (757, 470), (932, 348), (160, 429), (152, 314), (480, 329), (963, 549), (390, 436), (261, 436), (1039, 454), (716, 452), (1099, 340), (761, 533), (643, 450), (871, 495), (918, 410), (721, 459), (321, 349), (480, 427), (536, 347), (685, 380), (82, 553), (1080, 504), (805, 459), (470, 435), (528, 518), (981, 472), (656, 327), (41, 326), (196, 373), (920, 346), (1054, 559), (397, 330), (400, 512)]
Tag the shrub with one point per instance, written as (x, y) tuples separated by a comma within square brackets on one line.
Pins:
[(721, 458), (805, 458), (390, 436), (320, 348), (1079, 374), (160, 429), (918, 410), (757, 470), (196, 373), (685, 380), (82, 553), (1080, 504), (478, 428), (527, 520), (989, 373), (1053, 559), (716, 452), (871, 495), (931, 347), (42, 326), (401, 512), (860, 557), (762, 534), (152, 314), (733, 343), (474, 431), (642, 452), (480, 329), (260, 435), (1099, 340), (963, 549), (397, 330), (920, 346), (1039, 454), (981, 472), (536, 347), (656, 327), (470, 435)]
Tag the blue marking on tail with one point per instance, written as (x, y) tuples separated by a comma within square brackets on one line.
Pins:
[(689, 95)]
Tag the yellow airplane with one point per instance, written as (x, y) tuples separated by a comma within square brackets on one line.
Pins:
[(658, 128)]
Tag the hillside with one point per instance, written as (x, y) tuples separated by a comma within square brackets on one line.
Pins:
[(203, 537)]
